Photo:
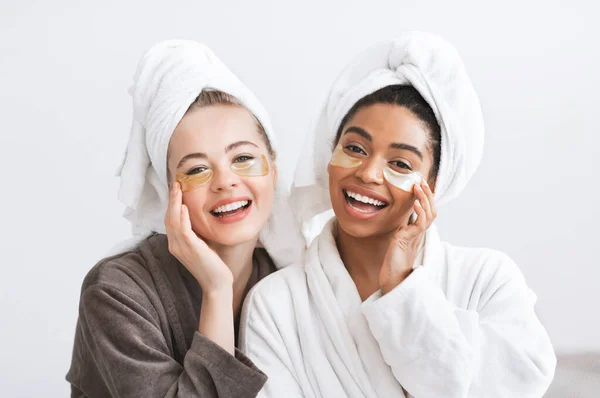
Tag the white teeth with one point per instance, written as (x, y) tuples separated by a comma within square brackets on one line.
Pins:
[(230, 206), (364, 199)]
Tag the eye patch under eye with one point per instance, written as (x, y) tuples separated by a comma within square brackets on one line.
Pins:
[(189, 182), (340, 158), (405, 182), (256, 167)]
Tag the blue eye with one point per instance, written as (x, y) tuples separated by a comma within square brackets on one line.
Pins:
[(196, 170), (242, 159), (355, 149), (400, 164)]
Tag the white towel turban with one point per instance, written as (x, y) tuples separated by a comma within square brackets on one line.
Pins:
[(434, 68), (169, 77)]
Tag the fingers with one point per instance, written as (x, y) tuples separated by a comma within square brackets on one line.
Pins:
[(430, 197), (426, 200), (423, 199), (422, 217), (408, 233), (186, 225), (425, 211), (173, 217)]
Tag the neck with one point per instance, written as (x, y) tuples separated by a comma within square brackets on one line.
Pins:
[(363, 256)]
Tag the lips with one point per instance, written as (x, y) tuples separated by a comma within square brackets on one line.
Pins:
[(230, 207), (363, 199), (361, 203)]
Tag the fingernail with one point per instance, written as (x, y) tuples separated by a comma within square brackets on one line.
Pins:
[(425, 182)]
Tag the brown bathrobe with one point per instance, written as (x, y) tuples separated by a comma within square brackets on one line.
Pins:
[(137, 332)]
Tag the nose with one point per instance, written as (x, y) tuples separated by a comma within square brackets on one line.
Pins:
[(224, 180), (370, 172)]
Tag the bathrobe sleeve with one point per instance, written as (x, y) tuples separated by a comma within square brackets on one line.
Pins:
[(133, 358), (496, 347)]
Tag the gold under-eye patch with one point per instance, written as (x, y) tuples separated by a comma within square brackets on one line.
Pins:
[(256, 167), (190, 182), (404, 182), (340, 158)]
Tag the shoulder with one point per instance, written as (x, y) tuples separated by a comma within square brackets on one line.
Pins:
[(279, 284), (482, 272), (481, 260), (127, 273), (275, 293)]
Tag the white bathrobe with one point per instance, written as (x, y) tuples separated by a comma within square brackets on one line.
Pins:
[(462, 325)]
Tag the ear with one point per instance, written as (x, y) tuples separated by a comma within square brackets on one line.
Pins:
[(275, 175)]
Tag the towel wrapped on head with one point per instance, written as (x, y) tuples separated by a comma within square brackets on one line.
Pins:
[(169, 77), (434, 68)]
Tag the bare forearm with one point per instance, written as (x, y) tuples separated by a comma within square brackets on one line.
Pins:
[(216, 319)]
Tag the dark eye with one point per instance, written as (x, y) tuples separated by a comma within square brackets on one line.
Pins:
[(196, 170), (355, 149), (242, 159), (400, 164)]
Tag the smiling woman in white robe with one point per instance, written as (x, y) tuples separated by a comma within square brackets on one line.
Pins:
[(381, 306)]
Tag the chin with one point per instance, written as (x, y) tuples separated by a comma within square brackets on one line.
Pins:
[(368, 228), (366, 231), (353, 228), (233, 238)]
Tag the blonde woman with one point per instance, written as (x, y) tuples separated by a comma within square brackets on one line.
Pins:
[(160, 317)]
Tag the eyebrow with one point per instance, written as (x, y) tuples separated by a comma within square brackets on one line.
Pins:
[(394, 145), (359, 131), (201, 155), (238, 144), (195, 155), (407, 147)]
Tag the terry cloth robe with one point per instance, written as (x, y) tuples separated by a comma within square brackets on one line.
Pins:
[(462, 325), (137, 332)]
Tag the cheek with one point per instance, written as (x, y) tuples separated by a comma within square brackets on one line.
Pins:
[(196, 201), (403, 201), (263, 191), (336, 174)]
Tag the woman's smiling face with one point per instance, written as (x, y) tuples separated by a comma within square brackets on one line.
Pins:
[(229, 208), (380, 135)]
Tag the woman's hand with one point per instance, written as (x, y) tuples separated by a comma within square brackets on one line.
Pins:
[(403, 249), (204, 264)]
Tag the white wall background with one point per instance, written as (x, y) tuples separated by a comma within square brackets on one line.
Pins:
[(65, 67)]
